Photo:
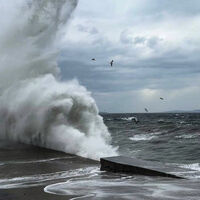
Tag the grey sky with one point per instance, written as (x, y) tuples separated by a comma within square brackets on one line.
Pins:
[(155, 45)]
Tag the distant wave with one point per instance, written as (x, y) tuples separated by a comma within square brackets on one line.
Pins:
[(186, 136), (142, 137), (193, 166), (129, 118)]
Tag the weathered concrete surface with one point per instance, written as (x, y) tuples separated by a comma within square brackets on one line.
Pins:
[(134, 166)]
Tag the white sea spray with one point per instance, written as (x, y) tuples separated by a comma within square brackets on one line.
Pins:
[(36, 107)]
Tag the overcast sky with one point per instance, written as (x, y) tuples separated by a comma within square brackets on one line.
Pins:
[(155, 45)]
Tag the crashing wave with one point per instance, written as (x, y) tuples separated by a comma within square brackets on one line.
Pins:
[(35, 106)]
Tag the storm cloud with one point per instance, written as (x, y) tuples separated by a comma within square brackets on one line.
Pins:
[(155, 46)]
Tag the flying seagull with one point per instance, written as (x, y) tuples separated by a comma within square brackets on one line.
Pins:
[(111, 63), (93, 59), (161, 98), (146, 110)]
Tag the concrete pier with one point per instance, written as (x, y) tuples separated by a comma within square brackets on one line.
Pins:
[(134, 166)]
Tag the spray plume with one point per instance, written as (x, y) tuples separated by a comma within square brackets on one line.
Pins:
[(35, 106)]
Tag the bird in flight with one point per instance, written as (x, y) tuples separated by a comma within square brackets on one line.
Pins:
[(111, 63), (93, 59), (146, 109), (161, 98)]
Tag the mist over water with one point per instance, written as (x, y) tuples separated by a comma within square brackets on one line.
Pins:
[(35, 106)]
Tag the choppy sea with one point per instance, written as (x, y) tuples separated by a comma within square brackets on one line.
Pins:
[(170, 138)]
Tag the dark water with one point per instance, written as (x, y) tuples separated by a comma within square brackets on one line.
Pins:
[(33, 173), (159, 137)]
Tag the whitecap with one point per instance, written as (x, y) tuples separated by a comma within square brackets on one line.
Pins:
[(142, 137), (186, 136), (193, 166)]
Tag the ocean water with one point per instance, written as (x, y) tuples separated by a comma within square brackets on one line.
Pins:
[(172, 139), (40, 113), (157, 137)]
